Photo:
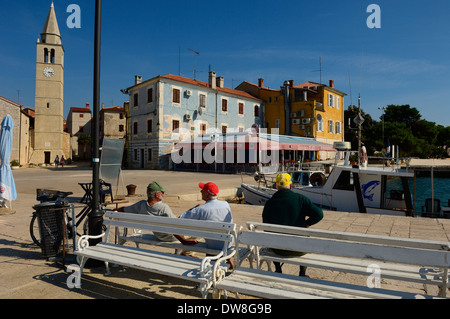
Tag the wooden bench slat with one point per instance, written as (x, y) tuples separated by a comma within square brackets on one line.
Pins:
[(171, 230), (417, 274), (150, 239), (273, 285), (362, 238), (157, 262), (407, 255), (175, 222)]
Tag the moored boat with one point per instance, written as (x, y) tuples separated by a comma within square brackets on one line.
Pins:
[(377, 190)]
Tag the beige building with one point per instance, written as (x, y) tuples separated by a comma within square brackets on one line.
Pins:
[(49, 137), (113, 122), (79, 123), (22, 130)]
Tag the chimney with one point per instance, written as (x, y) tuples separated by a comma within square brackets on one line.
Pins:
[(291, 83), (137, 79), (260, 83), (220, 81), (212, 80), (331, 84), (87, 105)]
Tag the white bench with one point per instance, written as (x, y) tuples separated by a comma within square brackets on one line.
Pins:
[(198, 270), (411, 260)]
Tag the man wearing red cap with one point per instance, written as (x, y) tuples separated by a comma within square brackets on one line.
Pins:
[(213, 209)]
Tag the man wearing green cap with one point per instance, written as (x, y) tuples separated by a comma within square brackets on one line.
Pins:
[(288, 208), (154, 206)]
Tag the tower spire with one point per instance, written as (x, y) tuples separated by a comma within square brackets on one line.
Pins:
[(50, 32)]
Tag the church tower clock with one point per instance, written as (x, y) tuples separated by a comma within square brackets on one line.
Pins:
[(49, 117)]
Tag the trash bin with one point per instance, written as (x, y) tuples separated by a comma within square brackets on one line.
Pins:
[(131, 189), (50, 217)]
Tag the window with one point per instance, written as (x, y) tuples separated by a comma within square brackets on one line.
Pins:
[(338, 102), (121, 128), (52, 56), (45, 55), (256, 111), (345, 181), (241, 108), (330, 100), (176, 95), (135, 128), (330, 126), (48, 105), (224, 105), (135, 154), (122, 116), (277, 123), (175, 125), (150, 95), (136, 98), (149, 126), (202, 100), (224, 129), (338, 127), (149, 154), (81, 115)]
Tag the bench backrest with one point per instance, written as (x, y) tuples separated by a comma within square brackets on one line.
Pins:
[(401, 250), (221, 231)]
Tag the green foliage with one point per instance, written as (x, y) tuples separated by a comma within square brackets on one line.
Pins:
[(403, 126), (14, 163)]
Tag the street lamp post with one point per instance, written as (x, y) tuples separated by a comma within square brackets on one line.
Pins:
[(95, 218)]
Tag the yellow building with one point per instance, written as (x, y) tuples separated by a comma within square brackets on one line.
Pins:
[(311, 109)]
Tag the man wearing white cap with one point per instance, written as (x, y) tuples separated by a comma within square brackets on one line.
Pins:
[(288, 208)]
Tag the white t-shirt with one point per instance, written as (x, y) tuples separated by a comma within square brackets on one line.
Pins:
[(157, 209)]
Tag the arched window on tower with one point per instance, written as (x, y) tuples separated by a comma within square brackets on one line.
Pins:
[(45, 55), (52, 58)]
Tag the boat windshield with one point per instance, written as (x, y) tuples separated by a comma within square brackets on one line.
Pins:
[(344, 181)]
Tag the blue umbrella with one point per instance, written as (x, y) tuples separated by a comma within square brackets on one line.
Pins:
[(7, 185)]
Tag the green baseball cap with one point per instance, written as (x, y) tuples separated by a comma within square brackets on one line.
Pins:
[(155, 186)]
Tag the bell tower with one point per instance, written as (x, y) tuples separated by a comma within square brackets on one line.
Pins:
[(49, 107)]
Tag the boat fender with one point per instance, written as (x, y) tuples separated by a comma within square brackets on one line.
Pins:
[(317, 179), (364, 156)]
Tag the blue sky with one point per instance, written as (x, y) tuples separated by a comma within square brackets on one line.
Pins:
[(406, 61)]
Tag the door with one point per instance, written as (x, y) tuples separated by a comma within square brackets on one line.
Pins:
[(142, 158), (47, 157)]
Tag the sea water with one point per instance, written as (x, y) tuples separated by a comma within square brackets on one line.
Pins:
[(441, 190)]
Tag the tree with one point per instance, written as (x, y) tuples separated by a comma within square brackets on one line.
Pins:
[(402, 114)]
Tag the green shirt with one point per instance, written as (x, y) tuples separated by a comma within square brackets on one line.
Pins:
[(291, 209)]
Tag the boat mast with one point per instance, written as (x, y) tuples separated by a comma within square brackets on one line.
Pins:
[(359, 120)]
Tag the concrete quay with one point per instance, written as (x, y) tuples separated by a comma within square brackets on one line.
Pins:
[(25, 274)]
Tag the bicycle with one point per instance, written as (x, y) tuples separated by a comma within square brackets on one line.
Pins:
[(58, 198)]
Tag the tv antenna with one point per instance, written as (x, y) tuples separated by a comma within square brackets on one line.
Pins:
[(195, 62), (320, 69)]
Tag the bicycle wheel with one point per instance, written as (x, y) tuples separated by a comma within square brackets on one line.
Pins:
[(34, 230)]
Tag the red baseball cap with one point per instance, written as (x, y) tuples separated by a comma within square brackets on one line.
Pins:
[(210, 188)]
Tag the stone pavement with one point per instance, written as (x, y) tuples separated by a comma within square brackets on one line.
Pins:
[(24, 274)]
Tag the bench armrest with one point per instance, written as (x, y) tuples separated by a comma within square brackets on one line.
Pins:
[(218, 272), (83, 241)]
